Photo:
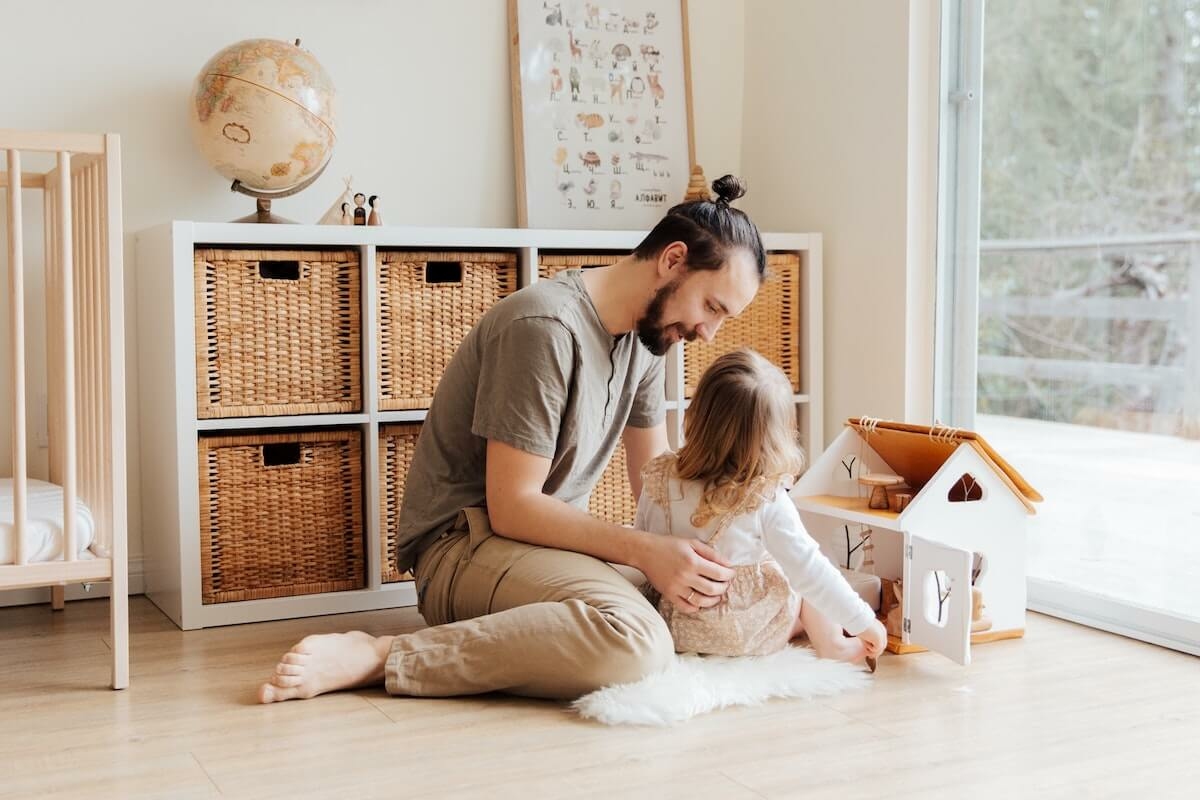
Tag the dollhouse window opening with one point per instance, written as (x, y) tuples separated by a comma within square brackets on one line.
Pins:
[(965, 490), (936, 612)]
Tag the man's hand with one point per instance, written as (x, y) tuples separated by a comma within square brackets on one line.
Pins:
[(687, 572)]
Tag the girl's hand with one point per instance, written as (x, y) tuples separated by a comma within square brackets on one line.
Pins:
[(687, 572), (874, 638)]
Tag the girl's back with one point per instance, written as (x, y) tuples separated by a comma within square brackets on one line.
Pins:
[(727, 487), (665, 494), (777, 564)]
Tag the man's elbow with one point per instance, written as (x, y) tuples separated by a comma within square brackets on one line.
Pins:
[(505, 512)]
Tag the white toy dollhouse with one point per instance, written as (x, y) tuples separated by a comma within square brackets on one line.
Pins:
[(938, 516)]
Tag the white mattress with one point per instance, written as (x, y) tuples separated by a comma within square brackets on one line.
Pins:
[(44, 523)]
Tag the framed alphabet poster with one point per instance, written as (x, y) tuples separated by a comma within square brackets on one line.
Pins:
[(601, 111)]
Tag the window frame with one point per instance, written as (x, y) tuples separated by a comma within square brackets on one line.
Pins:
[(956, 321)]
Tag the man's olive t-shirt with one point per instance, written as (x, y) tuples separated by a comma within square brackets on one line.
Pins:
[(540, 373)]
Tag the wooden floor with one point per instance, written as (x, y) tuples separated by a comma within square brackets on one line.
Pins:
[(1065, 712)]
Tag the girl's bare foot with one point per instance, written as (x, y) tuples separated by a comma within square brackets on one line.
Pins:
[(327, 663), (841, 649)]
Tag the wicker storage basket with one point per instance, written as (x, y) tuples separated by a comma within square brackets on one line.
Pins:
[(280, 514), (551, 265), (428, 302), (612, 499), (277, 332), (397, 443), (770, 325)]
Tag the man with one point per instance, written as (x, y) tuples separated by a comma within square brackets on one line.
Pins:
[(512, 573)]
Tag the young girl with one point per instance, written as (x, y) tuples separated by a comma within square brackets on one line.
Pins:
[(728, 486)]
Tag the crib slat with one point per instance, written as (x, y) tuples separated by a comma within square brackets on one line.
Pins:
[(103, 392), (99, 399), (16, 270), (103, 493), (68, 333), (103, 369), (79, 331), (76, 260), (114, 421), (79, 284), (53, 357), (83, 333), (95, 494), (84, 315), (48, 257)]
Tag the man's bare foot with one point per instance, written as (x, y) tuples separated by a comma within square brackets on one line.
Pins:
[(327, 663)]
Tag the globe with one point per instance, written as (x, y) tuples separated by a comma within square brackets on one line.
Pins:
[(262, 113)]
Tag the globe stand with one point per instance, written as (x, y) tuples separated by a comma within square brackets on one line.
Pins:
[(263, 214)]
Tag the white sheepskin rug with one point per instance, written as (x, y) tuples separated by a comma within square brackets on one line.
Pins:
[(698, 684)]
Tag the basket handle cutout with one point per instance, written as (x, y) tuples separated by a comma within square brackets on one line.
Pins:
[(281, 454), (279, 270), (443, 272)]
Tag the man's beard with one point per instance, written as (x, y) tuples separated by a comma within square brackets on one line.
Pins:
[(650, 329)]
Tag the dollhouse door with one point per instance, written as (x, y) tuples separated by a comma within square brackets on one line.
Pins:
[(937, 597)]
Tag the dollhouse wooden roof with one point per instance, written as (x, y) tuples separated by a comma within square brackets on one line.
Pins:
[(916, 452)]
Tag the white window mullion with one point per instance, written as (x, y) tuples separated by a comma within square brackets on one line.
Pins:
[(957, 323)]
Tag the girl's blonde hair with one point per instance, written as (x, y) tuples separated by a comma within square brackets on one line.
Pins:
[(740, 432)]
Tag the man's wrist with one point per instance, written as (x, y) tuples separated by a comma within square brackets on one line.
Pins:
[(634, 548)]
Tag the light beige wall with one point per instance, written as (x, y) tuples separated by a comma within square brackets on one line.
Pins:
[(825, 144), (425, 116), (921, 207), (718, 45)]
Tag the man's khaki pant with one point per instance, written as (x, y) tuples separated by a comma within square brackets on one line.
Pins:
[(513, 617)]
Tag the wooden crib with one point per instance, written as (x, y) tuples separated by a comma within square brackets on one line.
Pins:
[(85, 362)]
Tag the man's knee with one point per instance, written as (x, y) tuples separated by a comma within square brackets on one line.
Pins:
[(642, 646)]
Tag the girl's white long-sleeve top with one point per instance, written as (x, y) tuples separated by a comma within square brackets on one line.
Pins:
[(771, 527)]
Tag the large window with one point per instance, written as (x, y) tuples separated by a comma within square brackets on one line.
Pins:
[(1069, 274)]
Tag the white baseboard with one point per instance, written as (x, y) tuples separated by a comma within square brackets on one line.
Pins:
[(1106, 614), (75, 591)]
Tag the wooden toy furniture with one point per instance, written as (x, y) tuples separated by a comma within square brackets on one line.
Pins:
[(879, 485)]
